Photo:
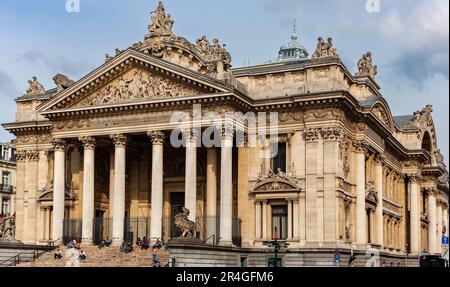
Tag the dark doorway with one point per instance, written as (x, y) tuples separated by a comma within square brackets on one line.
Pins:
[(98, 226), (176, 205)]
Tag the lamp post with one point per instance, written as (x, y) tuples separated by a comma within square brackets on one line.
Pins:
[(276, 245)]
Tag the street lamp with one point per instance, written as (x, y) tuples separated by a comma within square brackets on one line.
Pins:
[(276, 245)]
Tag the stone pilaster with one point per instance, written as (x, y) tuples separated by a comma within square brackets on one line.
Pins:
[(120, 143), (311, 137), (157, 139), (332, 138), (88, 189), (258, 217)]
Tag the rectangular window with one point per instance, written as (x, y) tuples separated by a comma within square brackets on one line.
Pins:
[(244, 261), (279, 222), (5, 178), (5, 206), (278, 154)]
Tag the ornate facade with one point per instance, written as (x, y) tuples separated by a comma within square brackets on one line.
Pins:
[(96, 159), (7, 182)]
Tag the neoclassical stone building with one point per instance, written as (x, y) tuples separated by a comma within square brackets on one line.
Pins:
[(95, 157)]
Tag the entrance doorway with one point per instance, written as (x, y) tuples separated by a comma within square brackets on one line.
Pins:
[(98, 226), (279, 221), (176, 206)]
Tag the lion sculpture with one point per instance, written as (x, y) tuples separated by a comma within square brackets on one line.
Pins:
[(187, 227), (62, 82)]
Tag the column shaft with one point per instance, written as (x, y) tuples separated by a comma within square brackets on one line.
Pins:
[(258, 220), (119, 189), (290, 214), (58, 190), (414, 217), (264, 220), (360, 199), (379, 209), (432, 223), (226, 191), (88, 190), (191, 177), (211, 192), (157, 185)]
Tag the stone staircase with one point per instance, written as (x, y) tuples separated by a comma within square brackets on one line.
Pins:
[(106, 257)]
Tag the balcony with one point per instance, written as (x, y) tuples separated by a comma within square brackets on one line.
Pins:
[(6, 188)]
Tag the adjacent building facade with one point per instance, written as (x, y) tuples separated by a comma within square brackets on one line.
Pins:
[(96, 158), (8, 173)]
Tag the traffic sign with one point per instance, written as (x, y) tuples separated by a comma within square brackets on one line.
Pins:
[(444, 240)]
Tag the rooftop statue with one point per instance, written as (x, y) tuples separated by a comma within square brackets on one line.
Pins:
[(161, 23), (35, 88), (62, 82), (365, 67), (325, 49)]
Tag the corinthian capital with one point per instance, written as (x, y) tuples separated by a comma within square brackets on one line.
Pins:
[(21, 155), (415, 178), (360, 146), (59, 145), (119, 140), (89, 143), (332, 134), (157, 137), (380, 159), (33, 155), (311, 134), (431, 191)]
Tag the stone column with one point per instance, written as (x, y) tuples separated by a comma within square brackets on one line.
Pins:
[(211, 192), (445, 216), (157, 139), (88, 189), (258, 219), (1, 205), (295, 219), (47, 223), (360, 167), (191, 174), (379, 209), (59, 184), (264, 219), (226, 187), (432, 219), (290, 214), (120, 143), (414, 214), (439, 228)]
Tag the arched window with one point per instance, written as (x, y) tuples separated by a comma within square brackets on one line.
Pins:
[(426, 142)]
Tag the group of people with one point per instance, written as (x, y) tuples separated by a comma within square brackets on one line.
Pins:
[(126, 247), (73, 244), (105, 243)]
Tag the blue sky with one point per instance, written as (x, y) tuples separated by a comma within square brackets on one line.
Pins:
[(408, 39)]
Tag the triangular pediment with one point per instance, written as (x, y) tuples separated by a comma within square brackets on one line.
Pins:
[(131, 77)]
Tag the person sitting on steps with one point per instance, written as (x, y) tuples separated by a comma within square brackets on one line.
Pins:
[(58, 254)]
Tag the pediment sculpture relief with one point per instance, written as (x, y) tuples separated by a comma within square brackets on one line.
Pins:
[(138, 85), (278, 181)]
